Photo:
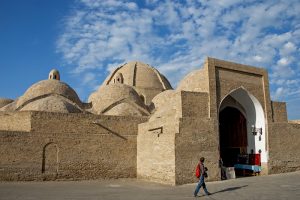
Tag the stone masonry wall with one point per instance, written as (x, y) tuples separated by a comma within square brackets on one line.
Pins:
[(194, 104), (67, 146), (284, 151), (197, 138), (15, 121), (279, 111), (156, 150)]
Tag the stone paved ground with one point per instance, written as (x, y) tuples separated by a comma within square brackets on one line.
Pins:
[(283, 186)]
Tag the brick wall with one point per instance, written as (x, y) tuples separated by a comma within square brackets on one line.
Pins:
[(15, 121), (279, 111), (67, 146), (156, 150), (197, 137), (194, 104), (284, 151)]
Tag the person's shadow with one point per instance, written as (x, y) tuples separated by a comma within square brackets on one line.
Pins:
[(229, 189)]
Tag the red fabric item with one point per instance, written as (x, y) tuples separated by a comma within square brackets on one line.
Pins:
[(254, 159), (198, 171)]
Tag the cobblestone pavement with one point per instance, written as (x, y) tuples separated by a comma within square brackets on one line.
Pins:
[(283, 186)]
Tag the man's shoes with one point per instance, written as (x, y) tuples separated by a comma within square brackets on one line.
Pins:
[(208, 194), (195, 195)]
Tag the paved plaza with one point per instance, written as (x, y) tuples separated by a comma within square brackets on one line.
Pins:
[(282, 186)]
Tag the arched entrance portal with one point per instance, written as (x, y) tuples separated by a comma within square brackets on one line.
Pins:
[(242, 129), (233, 135)]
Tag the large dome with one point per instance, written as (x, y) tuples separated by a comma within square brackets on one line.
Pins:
[(146, 80), (140, 75), (117, 99), (48, 95), (46, 88)]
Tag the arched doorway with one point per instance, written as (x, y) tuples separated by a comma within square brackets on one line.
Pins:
[(50, 159), (242, 130), (233, 135)]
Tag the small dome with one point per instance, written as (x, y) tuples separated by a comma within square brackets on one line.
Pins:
[(5, 101), (163, 98), (54, 74), (146, 80), (117, 99), (195, 81), (47, 88), (166, 104), (52, 104)]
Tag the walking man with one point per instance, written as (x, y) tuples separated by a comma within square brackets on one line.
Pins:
[(201, 182)]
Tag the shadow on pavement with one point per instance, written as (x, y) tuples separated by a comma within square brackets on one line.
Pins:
[(230, 189)]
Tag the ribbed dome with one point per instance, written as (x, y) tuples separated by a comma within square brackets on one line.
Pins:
[(47, 88), (146, 80), (5, 101), (139, 74), (117, 99)]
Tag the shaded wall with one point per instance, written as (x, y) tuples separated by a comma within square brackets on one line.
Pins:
[(80, 147), (197, 137), (279, 113), (284, 151), (15, 121)]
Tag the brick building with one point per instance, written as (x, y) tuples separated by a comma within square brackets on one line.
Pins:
[(136, 126)]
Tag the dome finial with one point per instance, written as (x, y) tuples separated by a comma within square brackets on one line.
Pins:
[(54, 74)]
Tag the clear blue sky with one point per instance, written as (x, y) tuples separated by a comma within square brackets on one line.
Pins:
[(86, 39)]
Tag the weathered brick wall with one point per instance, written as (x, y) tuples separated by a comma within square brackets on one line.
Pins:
[(196, 138), (225, 77), (15, 121), (194, 104), (83, 123), (19, 156), (231, 79), (284, 151), (156, 150), (279, 111), (171, 157), (67, 146)]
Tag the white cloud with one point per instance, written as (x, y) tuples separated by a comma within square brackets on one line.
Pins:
[(283, 62), (175, 36)]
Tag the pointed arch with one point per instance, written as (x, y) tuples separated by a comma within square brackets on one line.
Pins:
[(252, 109)]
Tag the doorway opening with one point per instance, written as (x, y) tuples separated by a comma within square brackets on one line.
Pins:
[(233, 135)]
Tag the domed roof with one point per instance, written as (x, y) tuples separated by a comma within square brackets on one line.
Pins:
[(52, 104), (5, 101), (139, 75), (117, 99), (47, 88), (160, 100), (166, 104), (195, 81)]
